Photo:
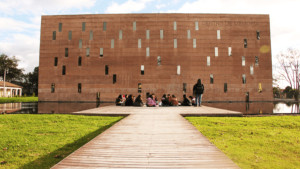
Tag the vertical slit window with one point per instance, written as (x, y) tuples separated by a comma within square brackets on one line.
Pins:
[(258, 35), (79, 61), (216, 51), (139, 43), (63, 70), (91, 35), (101, 52), (225, 87), (106, 69), (112, 43), (66, 52), (52, 88), (147, 51), (80, 43), (184, 87), (139, 87), (243, 61), (196, 26), (142, 70), (251, 70), (175, 26), (175, 43), (189, 34), (59, 27), (55, 61), (147, 34), (158, 60), (244, 78), (178, 69), (70, 35), (104, 26), (245, 43), (87, 52), (120, 34), (161, 34), (256, 61), (229, 51), (211, 78), (114, 78), (134, 25), (79, 87), (194, 43), (83, 26), (208, 60), (218, 34), (54, 35)]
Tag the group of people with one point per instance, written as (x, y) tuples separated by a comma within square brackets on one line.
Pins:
[(166, 100)]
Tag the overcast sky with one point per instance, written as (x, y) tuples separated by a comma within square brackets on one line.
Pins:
[(20, 19)]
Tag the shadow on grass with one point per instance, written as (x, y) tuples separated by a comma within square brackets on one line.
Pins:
[(49, 160)]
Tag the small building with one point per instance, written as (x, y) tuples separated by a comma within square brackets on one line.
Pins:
[(11, 89)]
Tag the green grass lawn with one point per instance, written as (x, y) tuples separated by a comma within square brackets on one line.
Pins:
[(255, 142), (18, 99), (41, 141)]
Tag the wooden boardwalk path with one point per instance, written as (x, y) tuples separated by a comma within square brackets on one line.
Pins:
[(149, 138)]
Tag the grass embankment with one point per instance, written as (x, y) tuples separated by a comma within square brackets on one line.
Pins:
[(18, 99), (41, 141), (254, 142)]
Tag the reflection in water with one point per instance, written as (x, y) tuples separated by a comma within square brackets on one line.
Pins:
[(18, 108), (286, 108)]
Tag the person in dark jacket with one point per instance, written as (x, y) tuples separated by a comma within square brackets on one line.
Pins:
[(138, 101), (198, 91), (186, 101), (119, 101), (165, 100), (129, 101)]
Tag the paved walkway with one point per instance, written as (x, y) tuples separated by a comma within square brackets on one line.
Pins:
[(150, 138)]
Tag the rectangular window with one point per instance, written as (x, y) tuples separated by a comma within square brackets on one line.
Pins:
[(104, 26), (211, 78), (54, 35), (120, 34), (83, 26), (80, 43), (175, 26), (225, 87), (184, 87), (196, 26), (52, 88), (208, 60), (194, 43), (66, 52), (161, 34), (114, 78), (63, 70), (258, 35), (229, 51), (70, 35), (79, 61), (147, 34), (55, 61), (147, 51), (101, 52), (140, 88), (251, 70), (256, 61), (218, 34), (178, 69), (112, 43), (87, 52), (245, 43), (244, 78), (243, 61), (189, 34), (59, 27), (175, 43), (139, 43), (216, 51), (142, 69), (91, 35), (158, 60), (134, 25), (106, 69), (79, 87)]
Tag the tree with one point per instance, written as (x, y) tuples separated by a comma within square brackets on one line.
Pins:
[(289, 92), (30, 82), (289, 62), (10, 64)]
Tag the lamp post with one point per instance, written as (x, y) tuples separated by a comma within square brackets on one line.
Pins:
[(4, 88)]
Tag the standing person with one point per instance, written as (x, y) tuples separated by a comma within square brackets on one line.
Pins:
[(198, 91)]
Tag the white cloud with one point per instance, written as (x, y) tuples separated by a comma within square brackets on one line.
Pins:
[(128, 6), (10, 24), (159, 6)]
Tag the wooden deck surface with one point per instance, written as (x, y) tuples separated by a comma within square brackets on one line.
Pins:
[(149, 138)]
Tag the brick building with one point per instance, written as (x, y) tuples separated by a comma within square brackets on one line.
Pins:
[(84, 57)]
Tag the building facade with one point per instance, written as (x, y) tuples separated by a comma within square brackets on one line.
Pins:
[(9, 89), (97, 57)]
